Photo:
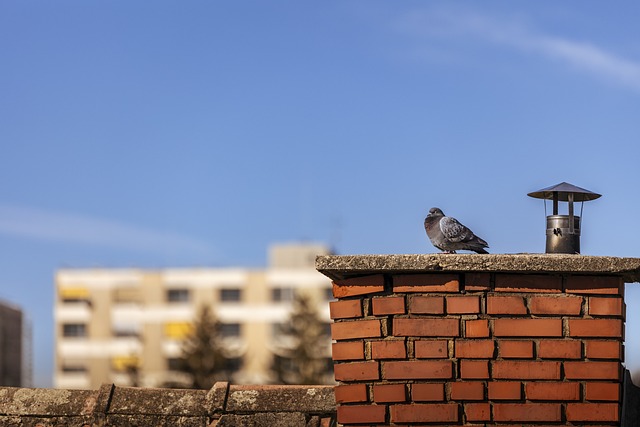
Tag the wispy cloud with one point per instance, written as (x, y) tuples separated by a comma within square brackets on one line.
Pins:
[(86, 230), (516, 33)]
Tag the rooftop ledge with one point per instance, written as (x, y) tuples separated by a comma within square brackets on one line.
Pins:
[(338, 267)]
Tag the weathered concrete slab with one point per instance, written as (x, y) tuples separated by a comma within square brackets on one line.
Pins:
[(262, 420), (129, 400), (277, 398), (339, 267), (45, 421), (50, 402), (223, 405), (216, 398), (139, 420)]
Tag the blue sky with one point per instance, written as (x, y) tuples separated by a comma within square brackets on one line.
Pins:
[(197, 133)]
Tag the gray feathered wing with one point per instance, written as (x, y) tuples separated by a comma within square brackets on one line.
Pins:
[(454, 231)]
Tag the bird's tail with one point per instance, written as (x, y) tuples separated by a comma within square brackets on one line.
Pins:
[(481, 242)]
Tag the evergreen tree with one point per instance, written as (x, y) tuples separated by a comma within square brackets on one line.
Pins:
[(301, 357), (203, 353), (132, 369)]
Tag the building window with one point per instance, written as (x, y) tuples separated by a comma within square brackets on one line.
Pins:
[(282, 294), (74, 369), (230, 295), (233, 364), (327, 329), (74, 330), (178, 295), (175, 364), (230, 330)]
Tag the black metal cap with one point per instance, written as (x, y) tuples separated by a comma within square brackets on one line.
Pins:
[(563, 189)]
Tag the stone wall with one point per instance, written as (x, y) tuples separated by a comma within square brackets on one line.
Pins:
[(223, 405)]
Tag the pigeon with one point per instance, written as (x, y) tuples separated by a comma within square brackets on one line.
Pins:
[(448, 235)]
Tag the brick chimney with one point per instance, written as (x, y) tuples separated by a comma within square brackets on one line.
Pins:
[(448, 339)]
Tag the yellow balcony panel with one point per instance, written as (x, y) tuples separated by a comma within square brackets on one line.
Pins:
[(177, 330), (76, 292), (121, 363)]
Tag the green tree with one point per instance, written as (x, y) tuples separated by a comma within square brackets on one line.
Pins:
[(203, 353), (302, 353), (132, 369)]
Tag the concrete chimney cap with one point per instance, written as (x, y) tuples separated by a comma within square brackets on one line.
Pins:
[(338, 267)]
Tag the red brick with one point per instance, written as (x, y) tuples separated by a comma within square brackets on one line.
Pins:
[(603, 349), (424, 413), (361, 414), (388, 350), (474, 349), (388, 305), (345, 309), (604, 285), (358, 286), (356, 371), (527, 327), (427, 392), (599, 306), (560, 349), (389, 393), (426, 327), (434, 282), (515, 349), (351, 393), (473, 390), (525, 370), (431, 349), (505, 390), (427, 305), (513, 305), (552, 391), (351, 350), (463, 305), (528, 283), (595, 328), (477, 411), (356, 329), (476, 328), (417, 369), (531, 412), (602, 391), (592, 370), (474, 369), (560, 305), (593, 412), (371, 280), (477, 281)]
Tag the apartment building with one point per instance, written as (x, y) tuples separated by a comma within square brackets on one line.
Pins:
[(12, 346), (108, 320)]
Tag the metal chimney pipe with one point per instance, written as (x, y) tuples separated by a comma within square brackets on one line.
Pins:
[(563, 231)]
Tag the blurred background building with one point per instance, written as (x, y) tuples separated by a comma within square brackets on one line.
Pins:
[(15, 360), (110, 320)]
